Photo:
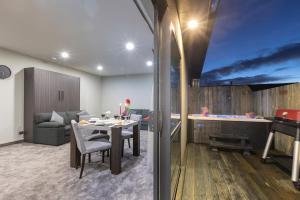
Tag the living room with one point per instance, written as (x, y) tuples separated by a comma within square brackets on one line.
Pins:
[(70, 58)]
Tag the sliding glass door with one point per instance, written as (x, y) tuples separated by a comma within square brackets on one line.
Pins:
[(175, 119), (167, 107)]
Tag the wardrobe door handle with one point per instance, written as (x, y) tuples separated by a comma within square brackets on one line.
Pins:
[(58, 95)]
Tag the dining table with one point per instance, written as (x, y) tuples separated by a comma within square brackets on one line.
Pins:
[(115, 126)]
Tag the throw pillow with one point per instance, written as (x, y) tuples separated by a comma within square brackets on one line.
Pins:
[(57, 118)]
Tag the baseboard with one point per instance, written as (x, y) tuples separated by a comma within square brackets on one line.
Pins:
[(10, 143)]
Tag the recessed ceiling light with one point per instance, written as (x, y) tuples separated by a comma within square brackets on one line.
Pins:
[(193, 24), (100, 67), (149, 63), (65, 54), (130, 46), (54, 58)]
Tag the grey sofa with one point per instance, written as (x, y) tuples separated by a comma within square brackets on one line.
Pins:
[(146, 114), (53, 133)]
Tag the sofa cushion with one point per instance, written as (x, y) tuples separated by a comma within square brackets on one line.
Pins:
[(50, 125), (42, 117), (70, 115), (64, 115), (143, 112), (57, 118), (134, 111)]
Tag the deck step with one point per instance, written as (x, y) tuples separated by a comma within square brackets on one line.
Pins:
[(229, 145), (228, 136)]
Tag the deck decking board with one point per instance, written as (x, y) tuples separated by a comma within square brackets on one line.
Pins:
[(230, 175), (275, 179), (218, 179), (180, 186), (188, 190), (234, 189), (199, 168), (241, 178), (254, 179), (236, 179), (211, 189)]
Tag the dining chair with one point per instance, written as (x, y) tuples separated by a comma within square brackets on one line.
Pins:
[(87, 147), (97, 136), (128, 133)]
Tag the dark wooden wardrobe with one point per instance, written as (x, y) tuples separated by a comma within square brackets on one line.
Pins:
[(45, 91)]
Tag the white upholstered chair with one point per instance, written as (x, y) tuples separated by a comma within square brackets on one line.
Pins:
[(128, 133), (86, 146)]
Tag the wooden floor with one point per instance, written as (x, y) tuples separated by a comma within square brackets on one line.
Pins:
[(230, 175)]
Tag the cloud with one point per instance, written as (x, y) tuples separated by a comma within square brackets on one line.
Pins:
[(233, 15), (248, 80), (281, 69), (284, 53)]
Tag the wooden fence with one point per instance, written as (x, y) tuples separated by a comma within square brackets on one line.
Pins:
[(266, 102), (238, 100)]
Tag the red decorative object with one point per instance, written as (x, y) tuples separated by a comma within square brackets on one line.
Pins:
[(127, 101), (288, 114), (127, 107)]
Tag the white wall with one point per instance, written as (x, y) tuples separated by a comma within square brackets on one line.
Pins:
[(138, 88), (12, 92)]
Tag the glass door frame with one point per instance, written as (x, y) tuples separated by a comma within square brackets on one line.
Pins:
[(162, 108)]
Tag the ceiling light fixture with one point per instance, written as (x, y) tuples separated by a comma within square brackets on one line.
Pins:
[(149, 63), (99, 67), (65, 54), (193, 24), (130, 46), (54, 58)]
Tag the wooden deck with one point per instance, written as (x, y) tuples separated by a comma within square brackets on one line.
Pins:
[(230, 175)]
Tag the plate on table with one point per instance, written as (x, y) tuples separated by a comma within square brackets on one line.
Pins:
[(93, 119), (99, 124)]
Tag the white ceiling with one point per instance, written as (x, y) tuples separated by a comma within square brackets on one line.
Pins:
[(93, 31)]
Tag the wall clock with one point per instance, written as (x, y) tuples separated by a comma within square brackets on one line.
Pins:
[(4, 72)]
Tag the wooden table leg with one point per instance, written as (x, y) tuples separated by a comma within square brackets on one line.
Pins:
[(116, 145), (74, 152), (136, 140)]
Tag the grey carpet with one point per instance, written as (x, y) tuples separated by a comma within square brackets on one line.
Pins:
[(32, 171)]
